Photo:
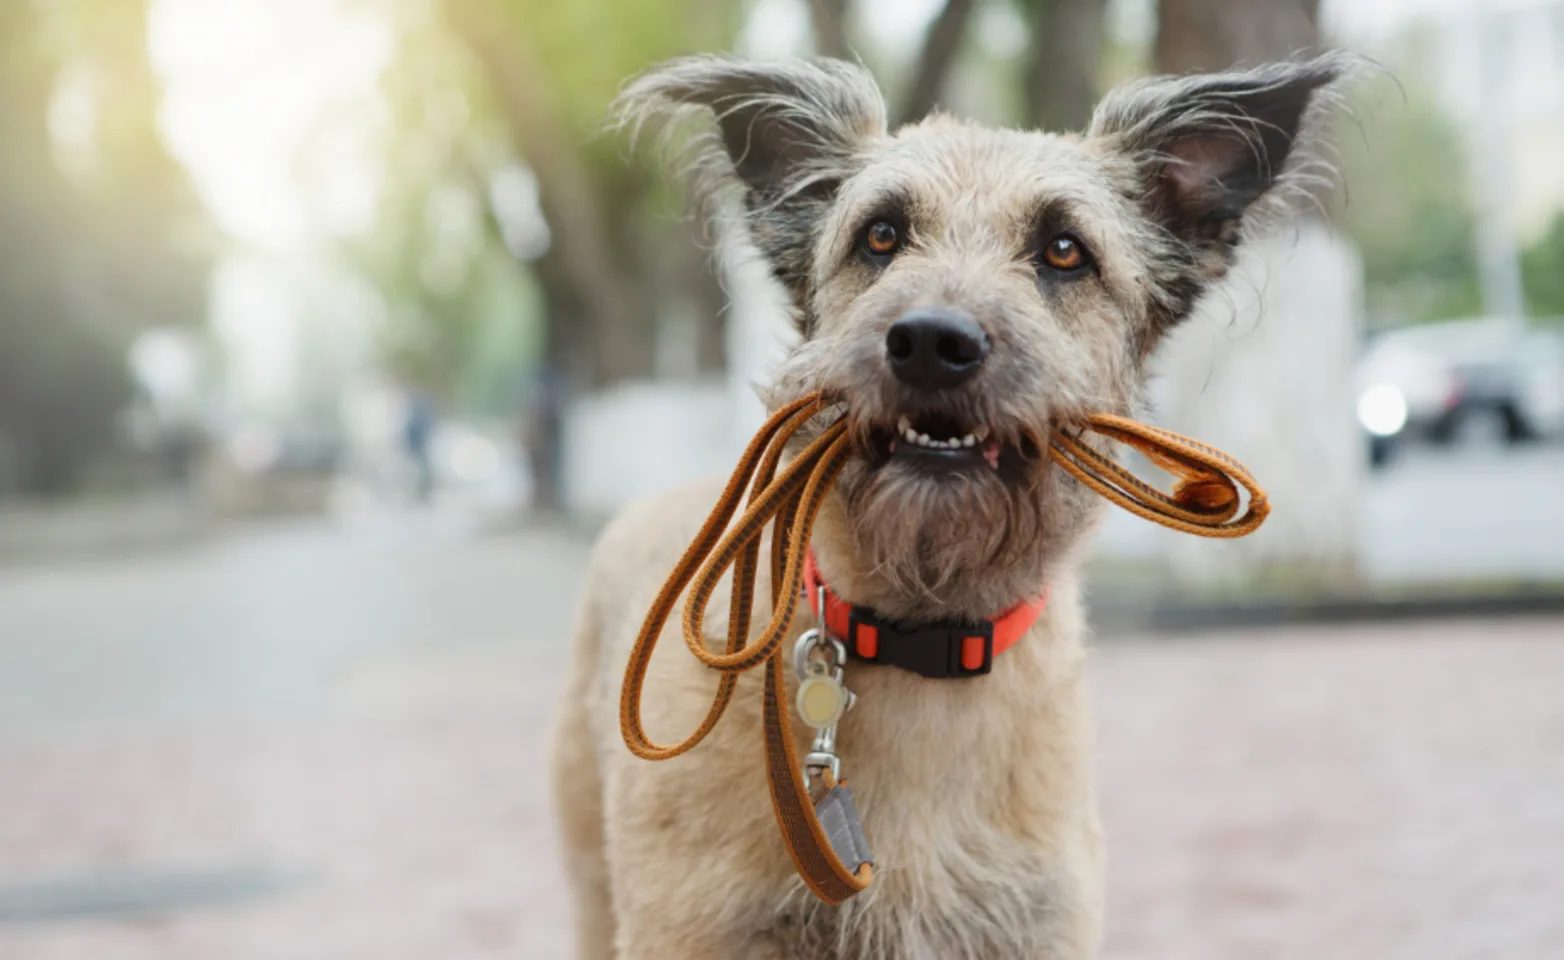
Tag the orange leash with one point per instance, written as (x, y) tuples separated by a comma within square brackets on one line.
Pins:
[(821, 828), (1204, 498)]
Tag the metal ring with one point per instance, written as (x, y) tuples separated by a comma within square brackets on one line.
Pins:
[(802, 648), (811, 640)]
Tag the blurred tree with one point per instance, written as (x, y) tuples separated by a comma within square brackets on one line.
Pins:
[(1407, 210), (154, 244), (941, 43), (930, 68), (460, 320), (1063, 61), (626, 288), (86, 259), (829, 19), (1542, 273), (620, 272), (1210, 35)]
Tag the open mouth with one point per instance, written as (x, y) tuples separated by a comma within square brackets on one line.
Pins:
[(937, 442)]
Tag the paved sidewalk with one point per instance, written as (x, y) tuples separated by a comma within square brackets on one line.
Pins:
[(1387, 793)]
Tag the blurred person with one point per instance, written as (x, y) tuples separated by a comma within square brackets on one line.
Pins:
[(418, 426), (542, 434)]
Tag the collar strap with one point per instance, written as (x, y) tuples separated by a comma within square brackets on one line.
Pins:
[(937, 648)]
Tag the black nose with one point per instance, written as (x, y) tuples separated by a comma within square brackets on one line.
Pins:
[(935, 349)]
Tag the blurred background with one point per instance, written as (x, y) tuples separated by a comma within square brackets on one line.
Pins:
[(330, 330)]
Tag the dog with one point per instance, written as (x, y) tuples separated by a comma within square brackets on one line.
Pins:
[(962, 292)]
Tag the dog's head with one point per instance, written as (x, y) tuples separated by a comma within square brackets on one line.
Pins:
[(964, 291)]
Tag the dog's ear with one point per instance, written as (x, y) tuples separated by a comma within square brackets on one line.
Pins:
[(1206, 149), (788, 134)]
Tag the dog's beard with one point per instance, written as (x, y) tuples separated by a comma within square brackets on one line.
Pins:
[(939, 540)]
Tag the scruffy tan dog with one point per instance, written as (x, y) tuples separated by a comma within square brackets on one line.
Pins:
[(962, 291)]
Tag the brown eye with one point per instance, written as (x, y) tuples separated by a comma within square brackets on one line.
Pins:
[(882, 238), (1064, 252)]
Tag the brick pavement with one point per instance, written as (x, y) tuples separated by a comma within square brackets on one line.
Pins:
[(1380, 793)]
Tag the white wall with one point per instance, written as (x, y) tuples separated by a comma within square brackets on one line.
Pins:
[(1264, 372)]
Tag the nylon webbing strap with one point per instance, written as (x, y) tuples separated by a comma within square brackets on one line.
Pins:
[(1204, 502), (1204, 499), (792, 499)]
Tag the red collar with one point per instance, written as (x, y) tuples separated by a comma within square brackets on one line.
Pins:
[(939, 648)]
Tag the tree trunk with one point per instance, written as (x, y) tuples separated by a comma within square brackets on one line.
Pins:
[(1061, 72), (940, 46), (1208, 35), (829, 20)]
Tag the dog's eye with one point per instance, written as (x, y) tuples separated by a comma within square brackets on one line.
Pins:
[(1066, 254), (881, 239)]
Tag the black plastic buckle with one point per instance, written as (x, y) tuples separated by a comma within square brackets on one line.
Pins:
[(927, 649)]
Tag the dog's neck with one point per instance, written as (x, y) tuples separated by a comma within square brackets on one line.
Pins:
[(970, 595)]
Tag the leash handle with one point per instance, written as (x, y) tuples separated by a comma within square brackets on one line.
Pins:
[(817, 833), (1205, 497)]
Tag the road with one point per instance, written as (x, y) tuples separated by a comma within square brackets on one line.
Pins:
[(1485, 513), (308, 742)]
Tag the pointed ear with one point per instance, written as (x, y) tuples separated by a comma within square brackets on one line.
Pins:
[(788, 134), (1206, 149)]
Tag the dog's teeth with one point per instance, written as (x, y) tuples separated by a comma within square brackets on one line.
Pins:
[(978, 435), (910, 434), (968, 440), (923, 439), (903, 425)]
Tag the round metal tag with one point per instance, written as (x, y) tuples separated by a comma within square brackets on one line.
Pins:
[(821, 701)]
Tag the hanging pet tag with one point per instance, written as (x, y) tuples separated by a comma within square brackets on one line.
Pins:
[(821, 697)]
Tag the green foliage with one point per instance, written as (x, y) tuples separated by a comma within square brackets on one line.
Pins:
[(1407, 209), (588, 50), (461, 321), (477, 86), (1542, 272)]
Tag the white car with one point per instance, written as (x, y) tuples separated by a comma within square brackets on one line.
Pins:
[(1404, 390), (1443, 381)]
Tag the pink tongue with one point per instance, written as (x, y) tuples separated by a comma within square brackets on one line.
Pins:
[(991, 453)]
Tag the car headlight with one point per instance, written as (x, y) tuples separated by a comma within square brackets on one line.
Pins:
[(1382, 410)]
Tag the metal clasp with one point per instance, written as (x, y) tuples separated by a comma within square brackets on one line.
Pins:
[(822, 697)]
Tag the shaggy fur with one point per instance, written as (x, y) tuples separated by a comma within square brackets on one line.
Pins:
[(976, 794)]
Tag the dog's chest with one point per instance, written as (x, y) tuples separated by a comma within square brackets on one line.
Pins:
[(965, 907), (950, 883), (965, 796)]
